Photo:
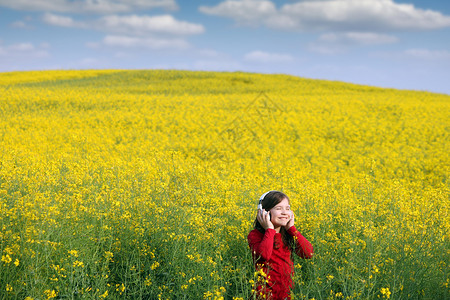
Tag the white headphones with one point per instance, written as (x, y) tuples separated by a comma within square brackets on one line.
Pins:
[(262, 198)]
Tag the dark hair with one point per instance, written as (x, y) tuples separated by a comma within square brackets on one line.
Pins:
[(271, 199)]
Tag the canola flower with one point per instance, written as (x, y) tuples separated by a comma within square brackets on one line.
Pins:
[(143, 184)]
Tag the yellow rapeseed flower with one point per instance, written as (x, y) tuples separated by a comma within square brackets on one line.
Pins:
[(6, 258), (50, 294)]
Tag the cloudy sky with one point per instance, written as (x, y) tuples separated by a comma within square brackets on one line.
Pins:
[(402, 44)]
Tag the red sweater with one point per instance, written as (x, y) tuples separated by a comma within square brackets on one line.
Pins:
[(274, 259)]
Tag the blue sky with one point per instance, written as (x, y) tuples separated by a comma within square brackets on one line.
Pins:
[(403, 44)]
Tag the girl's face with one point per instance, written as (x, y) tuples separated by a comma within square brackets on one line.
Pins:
[(281, 213)]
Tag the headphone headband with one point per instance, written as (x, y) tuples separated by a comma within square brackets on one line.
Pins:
[(262, 198), (264, 195)]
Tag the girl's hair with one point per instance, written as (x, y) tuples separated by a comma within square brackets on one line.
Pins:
[(270, 200)]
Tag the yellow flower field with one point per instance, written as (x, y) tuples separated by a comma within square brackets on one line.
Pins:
[(144, 184)]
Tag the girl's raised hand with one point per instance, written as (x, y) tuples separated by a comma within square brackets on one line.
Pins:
[(263, 218), (291, 221)]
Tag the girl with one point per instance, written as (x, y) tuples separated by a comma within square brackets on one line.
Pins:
[(272, 241)]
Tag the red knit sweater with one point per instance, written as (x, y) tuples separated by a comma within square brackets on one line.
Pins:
[(274, 259)]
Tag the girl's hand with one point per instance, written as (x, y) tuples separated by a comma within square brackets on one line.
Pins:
[(263, 218), (291, 221)]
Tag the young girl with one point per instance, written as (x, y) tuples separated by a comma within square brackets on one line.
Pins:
[(272, 241)]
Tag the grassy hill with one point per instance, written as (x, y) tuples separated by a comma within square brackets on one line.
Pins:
[(144, 184)]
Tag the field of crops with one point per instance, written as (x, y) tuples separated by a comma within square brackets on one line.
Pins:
[(144, 184)]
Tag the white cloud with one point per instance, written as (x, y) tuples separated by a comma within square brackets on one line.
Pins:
[(62, 21), (210, 53), (88, 6), (344, 15), (370, 15), (144, 42), (23, 50), (133, 31), (22, 47), (322, 48), (123, 55), (427, 54), (18, 24), (360, 38), (335, 43), (24, 24), (416, 55), (130, 25), (133, 24), (265, 57), (88, 62), (245, 12)]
